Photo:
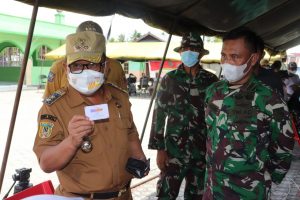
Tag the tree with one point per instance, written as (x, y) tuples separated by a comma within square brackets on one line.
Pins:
[(121, 38), (213, 39), (136, 35), (112, 40)]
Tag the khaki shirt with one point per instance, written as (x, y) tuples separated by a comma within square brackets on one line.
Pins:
[(57, 77), (103, 169)]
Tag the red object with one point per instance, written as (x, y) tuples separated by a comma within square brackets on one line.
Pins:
[(168, 64), (296, 135), (42, 188)]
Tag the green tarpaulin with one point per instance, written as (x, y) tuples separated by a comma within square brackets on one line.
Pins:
[(276, 21)]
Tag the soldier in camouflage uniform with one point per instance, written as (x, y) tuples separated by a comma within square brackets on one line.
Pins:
[(249, 137), (180, 99)]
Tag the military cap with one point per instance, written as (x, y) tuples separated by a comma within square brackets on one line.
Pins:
[(86, 45), (192, 40), (89, 26)]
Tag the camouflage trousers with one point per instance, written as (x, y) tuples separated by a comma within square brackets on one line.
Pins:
[(170, 180)]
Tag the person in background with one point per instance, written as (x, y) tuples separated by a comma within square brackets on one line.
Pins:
[(264, 72), (276, 65), (131, 80), (180, 100), (153, 84), (294, 108), (249, 136), (57, 78), (86, 132), (144, 82), (291, 80)]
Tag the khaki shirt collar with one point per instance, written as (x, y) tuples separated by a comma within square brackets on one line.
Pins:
[(75, 98)]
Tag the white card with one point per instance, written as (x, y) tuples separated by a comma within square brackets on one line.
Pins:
[(97, 112)]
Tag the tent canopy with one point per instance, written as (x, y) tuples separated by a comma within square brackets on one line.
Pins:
[(276, 21), (141, 51)]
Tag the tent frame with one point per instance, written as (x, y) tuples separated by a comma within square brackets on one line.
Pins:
[(19, 90), (21, 80)]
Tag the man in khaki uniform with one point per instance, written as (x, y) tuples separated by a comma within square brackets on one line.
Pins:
[(86, 131), (57, 78)]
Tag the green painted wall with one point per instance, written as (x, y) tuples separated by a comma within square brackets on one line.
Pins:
[(13, 33), (136, 66), (19, 26), (36, 72), (9, 74)]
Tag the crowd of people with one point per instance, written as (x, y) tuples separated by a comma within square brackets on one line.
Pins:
[(228, 138)]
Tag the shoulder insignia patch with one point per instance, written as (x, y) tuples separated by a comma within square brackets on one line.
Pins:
[(51, 76), (45, 129), (50, 117), (115, 86), (55, 96)]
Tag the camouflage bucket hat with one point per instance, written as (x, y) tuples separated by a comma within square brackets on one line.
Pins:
[(86, 45), (192, 40)]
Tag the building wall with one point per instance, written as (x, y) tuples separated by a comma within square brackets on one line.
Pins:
[(39, 67), (13, 33), (9, 74), (136, 68)]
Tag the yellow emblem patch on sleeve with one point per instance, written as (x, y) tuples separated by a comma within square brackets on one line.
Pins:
[(45, 129)]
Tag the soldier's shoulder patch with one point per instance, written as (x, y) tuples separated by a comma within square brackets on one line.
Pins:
[(51, 76), (45, 129), (54, 97), (115, 86), (47, 116)]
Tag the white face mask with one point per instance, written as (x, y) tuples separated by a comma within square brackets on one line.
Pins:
[(87, 82), (234, 73)]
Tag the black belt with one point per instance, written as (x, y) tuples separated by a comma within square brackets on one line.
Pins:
[(105, 195)]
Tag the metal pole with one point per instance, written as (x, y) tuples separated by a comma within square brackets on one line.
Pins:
[(155, 87), (19, 90)]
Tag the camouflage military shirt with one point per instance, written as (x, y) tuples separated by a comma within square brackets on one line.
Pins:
[(180, 99), (249, 140)]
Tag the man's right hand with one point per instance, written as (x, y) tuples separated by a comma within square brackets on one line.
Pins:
[(162, 159), (79, 127)]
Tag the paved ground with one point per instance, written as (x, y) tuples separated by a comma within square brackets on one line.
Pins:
[(25, 129)]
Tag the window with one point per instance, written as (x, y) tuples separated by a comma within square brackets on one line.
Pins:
[(11, 57), (42, 51), (39, 58), (126, 68)]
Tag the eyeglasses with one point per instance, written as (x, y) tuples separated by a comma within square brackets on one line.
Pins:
[(77, 68)]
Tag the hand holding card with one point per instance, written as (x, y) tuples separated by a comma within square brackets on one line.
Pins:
[(97, 112)]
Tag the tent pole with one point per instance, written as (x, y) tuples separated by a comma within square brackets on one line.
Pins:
[(18, 93), (162, 64), (156, 84)]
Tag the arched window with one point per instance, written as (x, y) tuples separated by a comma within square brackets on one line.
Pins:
[(42, 51), (39, 56), (11, 57)]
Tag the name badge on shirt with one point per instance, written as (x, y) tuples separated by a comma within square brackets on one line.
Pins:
[(97, 112)]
